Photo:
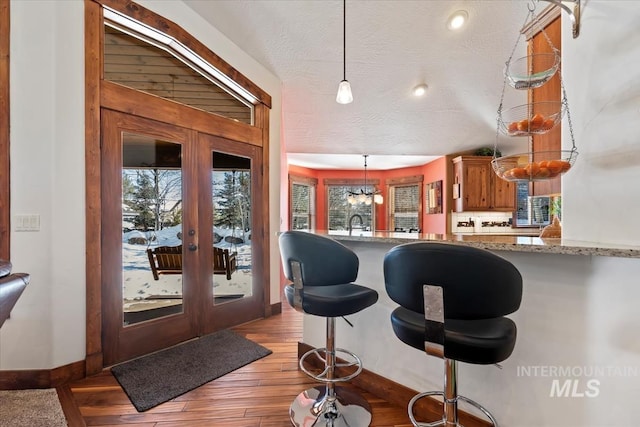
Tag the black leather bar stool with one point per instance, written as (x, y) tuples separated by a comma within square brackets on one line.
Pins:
[(323, 271), (453, 300)]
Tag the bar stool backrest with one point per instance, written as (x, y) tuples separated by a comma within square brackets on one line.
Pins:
[(477, 284), (323, 261)]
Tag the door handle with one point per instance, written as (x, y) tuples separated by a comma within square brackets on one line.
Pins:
[(193, 247)]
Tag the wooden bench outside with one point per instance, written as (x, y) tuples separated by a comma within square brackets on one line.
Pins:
[(165, 260), (224, 262), (168, 260)]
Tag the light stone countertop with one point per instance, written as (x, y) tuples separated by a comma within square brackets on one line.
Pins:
[(493, 243)]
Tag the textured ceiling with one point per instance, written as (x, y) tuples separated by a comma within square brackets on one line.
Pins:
[(391, 47)]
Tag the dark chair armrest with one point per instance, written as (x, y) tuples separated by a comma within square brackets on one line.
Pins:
[(11, 287)]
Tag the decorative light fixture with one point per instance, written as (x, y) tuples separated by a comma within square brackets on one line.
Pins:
[(364, 196), (457, 20), (420, 89), (344, 89)]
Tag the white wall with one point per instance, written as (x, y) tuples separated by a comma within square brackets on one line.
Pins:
[(47, 327), (601, 71)]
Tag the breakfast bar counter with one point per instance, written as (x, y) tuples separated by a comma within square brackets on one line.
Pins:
[(511, 243), (577, 328)]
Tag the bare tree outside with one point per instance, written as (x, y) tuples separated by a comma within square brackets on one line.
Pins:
[(155, 195), (232, 200)]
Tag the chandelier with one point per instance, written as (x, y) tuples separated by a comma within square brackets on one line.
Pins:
[(364, 196)]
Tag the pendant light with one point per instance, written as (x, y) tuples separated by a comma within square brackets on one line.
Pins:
[(344, 89), (364, 196)]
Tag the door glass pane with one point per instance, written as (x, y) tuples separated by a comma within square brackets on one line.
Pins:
[(232, 226), (151, 228)]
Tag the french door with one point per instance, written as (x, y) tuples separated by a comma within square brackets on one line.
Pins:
[(180, 234)]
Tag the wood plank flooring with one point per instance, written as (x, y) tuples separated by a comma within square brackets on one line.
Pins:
[(257, 395)]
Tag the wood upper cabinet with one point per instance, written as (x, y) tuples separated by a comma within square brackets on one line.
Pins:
[(477, 188)]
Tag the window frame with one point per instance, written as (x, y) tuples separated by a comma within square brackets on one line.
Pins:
[(313, 205), (392, 184), (159, 41)]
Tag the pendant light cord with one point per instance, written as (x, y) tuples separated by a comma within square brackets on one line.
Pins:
[(344, 39), (366, 191)]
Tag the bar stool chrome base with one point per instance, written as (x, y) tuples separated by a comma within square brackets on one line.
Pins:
[(443, 422), (349, 360), (314, 408)]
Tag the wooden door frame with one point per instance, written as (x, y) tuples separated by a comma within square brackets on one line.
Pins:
[(242, 310), (127, 342), (99, 93), (5, 106)]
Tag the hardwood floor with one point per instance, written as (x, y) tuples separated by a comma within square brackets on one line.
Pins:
[(257, 395)]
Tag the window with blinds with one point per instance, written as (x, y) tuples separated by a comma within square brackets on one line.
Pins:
[(301, 206), (405, 207), (302, 202)]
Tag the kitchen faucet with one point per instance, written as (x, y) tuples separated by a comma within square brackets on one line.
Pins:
[(351, 218)]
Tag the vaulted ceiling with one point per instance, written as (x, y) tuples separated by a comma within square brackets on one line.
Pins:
[(392, 45)]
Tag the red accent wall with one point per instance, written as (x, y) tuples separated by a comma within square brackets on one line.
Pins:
[(300, 171), (433, 171)]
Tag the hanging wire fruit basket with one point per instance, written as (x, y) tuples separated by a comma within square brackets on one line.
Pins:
[(532, 71), (534, 166), (534, 118)]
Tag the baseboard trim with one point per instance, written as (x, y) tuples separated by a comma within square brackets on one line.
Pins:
[(398, 394), (42, 378), (93, 364), (274, 309)]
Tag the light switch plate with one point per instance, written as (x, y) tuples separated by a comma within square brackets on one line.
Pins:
[(27, 222)]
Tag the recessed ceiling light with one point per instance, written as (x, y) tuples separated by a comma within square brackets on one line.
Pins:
[(457, 20), (420, 90)]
